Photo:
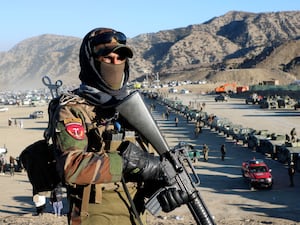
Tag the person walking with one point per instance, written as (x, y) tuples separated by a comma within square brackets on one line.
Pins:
[(167, 114), (195, 156), (205, 152), (197, 129), (12, 166), (106, 172), (223, 152), (176, 121), (56, 197), (9, 122), (287, 139), (2, 164), (293, 134), (291, 172)]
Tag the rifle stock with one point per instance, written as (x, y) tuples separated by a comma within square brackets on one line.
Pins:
[(136, 113)]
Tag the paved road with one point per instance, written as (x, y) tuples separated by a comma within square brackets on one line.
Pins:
[(224, 191)]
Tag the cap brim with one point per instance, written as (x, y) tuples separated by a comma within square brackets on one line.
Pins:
[(124, 50), (120, 49)]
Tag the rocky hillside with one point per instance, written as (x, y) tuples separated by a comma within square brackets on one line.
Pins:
[(52, 55), (235, 46)]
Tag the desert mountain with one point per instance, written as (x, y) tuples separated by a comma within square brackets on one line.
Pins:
[(240, 46)]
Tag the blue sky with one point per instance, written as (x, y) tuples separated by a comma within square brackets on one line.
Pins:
[(20, 19)]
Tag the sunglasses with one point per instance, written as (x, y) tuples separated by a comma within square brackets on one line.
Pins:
[(107, 37)]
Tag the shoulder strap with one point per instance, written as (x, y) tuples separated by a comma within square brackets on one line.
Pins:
[(49, 132)]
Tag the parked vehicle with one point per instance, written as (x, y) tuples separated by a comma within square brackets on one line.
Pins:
[(193, 153), (255, 137), (173, 90), (184, 91), (257, 174), (193, 114), (287, 154), (202, 117), (36, 114), (243, 134), (270, 146), (286, 102), (216, 123), (225, 127), (253, 99), (233, 130), (221, 98), (297, 105), (268, 103)]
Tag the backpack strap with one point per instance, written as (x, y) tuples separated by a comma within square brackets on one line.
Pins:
[(85, 200), (98, 197)]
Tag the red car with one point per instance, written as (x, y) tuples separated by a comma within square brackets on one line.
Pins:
[(257, 173)]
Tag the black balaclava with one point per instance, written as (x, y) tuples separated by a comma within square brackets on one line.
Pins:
[(93, 86)]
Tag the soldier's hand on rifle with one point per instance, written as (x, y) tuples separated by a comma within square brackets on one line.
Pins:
[(139, 165), (171, 198)]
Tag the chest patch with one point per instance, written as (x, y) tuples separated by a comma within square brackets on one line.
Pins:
[(76, 130)]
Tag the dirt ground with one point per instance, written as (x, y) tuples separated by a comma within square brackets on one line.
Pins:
[(222, 188)]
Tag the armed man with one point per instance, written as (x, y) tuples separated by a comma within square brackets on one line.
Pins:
[(107, 172), (102, 136)]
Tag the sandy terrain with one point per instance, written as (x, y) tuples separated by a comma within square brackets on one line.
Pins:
[(222, 188)]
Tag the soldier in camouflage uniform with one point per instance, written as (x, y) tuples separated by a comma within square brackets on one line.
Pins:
[(93, 156)]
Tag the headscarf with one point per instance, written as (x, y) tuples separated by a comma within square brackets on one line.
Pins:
[(93, 86)]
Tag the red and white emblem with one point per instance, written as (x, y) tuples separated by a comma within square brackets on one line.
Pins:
[(76, 130)]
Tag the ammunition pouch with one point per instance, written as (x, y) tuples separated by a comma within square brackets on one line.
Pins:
[(113, 139)]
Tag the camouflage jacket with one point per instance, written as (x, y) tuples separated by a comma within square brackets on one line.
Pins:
[(80, 136)]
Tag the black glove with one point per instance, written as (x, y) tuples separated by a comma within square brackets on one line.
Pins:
[(139, 165), (171, 198)]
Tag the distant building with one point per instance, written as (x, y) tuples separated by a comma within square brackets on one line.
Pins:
[(270, 82)]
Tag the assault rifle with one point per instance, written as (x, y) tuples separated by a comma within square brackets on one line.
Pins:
[(136, 113)]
